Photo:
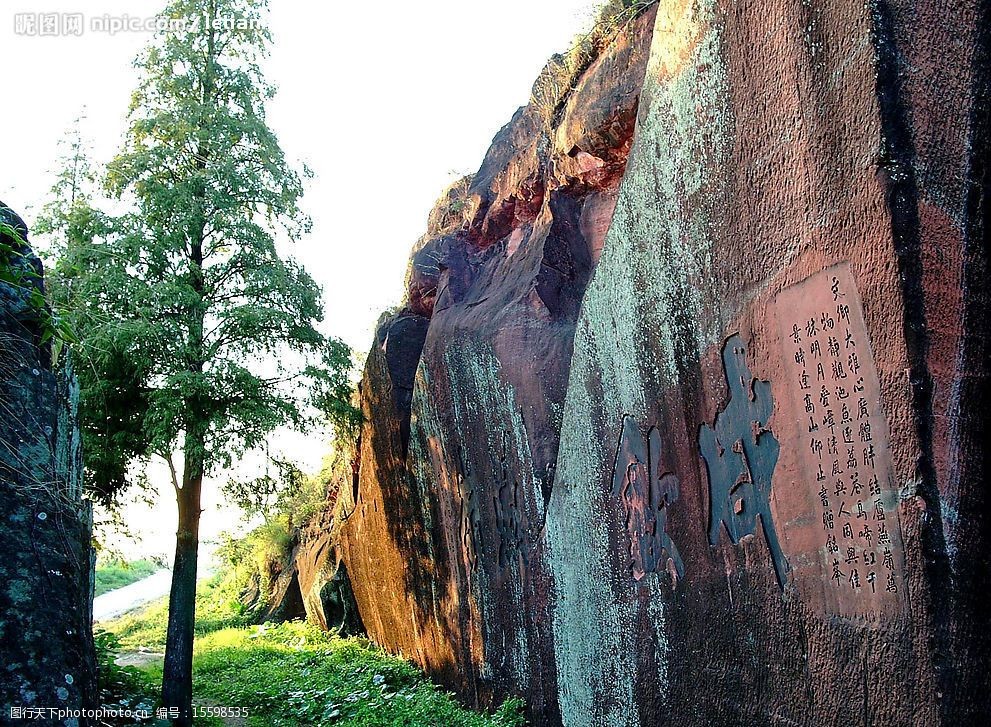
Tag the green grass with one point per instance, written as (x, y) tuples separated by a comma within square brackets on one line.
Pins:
[(118, 574), (145, 629), (293, 674)]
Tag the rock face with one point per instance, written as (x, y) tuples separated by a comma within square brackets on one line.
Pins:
[(45, 572), (314, 584), (698, 368)]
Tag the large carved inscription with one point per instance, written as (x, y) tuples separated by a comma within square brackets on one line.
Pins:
[(848, 534), (740, 454), (646, 492)]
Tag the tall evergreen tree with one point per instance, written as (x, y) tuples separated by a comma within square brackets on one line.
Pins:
[(111, 405), (206, 334)]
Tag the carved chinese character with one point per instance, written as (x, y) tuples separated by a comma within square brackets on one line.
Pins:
[(873, 487), (888, 561), (740, 454), (646, 494), (851, 458), (831, 545), (865, 432), (838, 575), (878, 510), (834, 287), (853, 363), (869, 455), (854, 578)]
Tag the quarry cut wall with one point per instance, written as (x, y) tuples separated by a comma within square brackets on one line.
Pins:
[(682, 421)]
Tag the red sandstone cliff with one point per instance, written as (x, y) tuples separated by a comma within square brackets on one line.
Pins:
[(682, 420)]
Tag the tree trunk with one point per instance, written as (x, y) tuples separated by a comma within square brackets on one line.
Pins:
[(177, 677), (177, 680)]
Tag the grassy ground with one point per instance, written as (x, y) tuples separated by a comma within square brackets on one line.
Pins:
[(292, 674), (216, 609), (112, 576)]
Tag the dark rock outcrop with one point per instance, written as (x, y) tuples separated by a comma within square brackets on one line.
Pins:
[(314, 583), (46, 647), (696, 428)]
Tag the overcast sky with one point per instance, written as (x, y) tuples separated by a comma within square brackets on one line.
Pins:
[(386, 102)]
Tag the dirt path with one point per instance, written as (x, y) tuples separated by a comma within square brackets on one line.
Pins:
[(132, 596), (138, 658)]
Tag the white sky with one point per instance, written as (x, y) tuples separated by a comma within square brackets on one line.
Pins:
[(387, 102)]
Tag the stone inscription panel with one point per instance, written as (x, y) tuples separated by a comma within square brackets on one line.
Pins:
[(845, 527)]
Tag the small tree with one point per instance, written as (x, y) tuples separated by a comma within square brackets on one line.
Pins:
[(207, 334)]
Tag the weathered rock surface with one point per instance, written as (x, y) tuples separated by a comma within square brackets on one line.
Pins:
[(695, 432), (313, 584), (46, 647)]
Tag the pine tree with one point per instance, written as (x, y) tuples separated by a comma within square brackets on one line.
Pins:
[(205, 333)]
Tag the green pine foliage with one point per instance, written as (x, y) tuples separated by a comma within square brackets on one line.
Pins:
[(196, 332)]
